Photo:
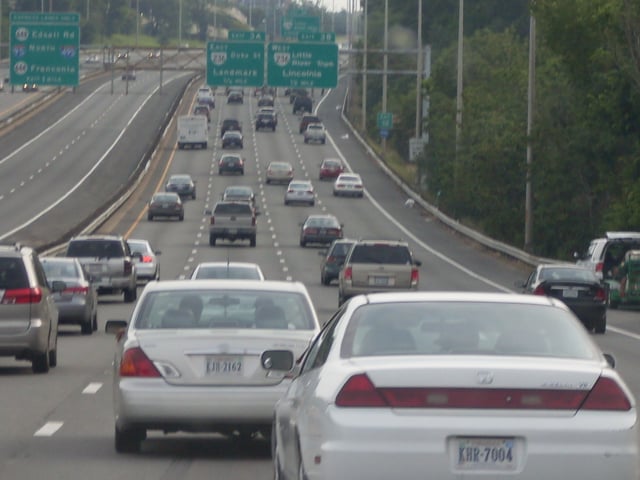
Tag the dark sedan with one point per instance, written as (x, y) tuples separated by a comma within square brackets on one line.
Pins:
[(576, 286), (239, 193), (182, 184), (231, 164), (232, 138), (322, 229), (167, 204), (333, 259), (78, 303)]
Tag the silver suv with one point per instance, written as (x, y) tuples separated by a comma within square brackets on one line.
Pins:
[(603, 254), (377, 266), (28, 313)]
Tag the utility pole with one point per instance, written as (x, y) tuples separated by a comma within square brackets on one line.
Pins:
[(385, 66), (364, 68), (419, 74), (459, 105), (531, 96), (179, 24)]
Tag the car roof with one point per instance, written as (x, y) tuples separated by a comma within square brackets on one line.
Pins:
[(223, 284), (349, 175), (166, 194), (97, 236), (616, 235), (180, 176), (462, 297), (138, 240)]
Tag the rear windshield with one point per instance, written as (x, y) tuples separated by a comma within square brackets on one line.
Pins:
[(230, 272), (390, 254), (200, 308), (232, 209), (12, 274), (95, 249), (474, 328)]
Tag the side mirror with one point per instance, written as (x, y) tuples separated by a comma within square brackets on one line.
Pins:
[(278, 360), (117, 327), (58, 286), (610, 360)]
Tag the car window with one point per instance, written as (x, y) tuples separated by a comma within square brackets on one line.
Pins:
[(321, 346), (13, 274), (206, 309), (95, 248), (391, 254), (224, 271), (474, 328), (232, 208)]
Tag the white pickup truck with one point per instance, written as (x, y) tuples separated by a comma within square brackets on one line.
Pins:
[(193, 130), (233, 221)]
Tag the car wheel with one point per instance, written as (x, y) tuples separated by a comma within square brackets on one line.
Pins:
[(150, 217), (252, 241), (95, 322), (212, 240), (324, 279), (86, 328), (613, 304), (335, 194), (130, 295), (193, 197), (286, 202), (306, 140), (180, 146), (600, 325), (267, 181), (40, 363), (181, 218), (129, 440), (303, 243), (311, 204)]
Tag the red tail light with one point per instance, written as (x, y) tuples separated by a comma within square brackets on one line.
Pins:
[(290, 190), (348, 272), (310, 231), (146, 259), (415, 276), (309, 191), (136, 364), (599, 266), (80, 290), (20, 296), (359, 392), (601, 294), (128, 267), (606, 394), (539, 290)]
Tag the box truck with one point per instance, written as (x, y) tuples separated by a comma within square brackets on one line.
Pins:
[(193, 130)]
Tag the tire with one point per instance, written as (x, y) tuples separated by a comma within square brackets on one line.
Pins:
[(306, 140), (53, 357), (312, 204), (130, 295), (129, 440), (180, 146), (252, 241), (95, 322), (40, 363), (335, 194), (286, 202), (212, 240), (303, 243), (600, 326), (181, 218), (193, 197), (150, 217), (220, 172), (86, 328), (324, 279), (267, 181)]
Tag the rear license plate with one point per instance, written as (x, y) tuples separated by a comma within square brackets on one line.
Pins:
[(570, 293), (379, 281), (223, 365), (483, 454)]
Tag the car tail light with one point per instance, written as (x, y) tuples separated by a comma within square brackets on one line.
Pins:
[(310, 231), (599, 267), (146, 259), (415, 277), (309, 191), (359, 186), (601, 294), (128, 267), (539, 290), (290, 190), (20, 296), (136, 364), (78, 289), (606, 394), (348, 272), (359, 392)]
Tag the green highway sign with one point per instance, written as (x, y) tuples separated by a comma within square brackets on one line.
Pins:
[(302, 65), (235, 63), (385, 120), (291, 26), (316, 37), (44, 48), (247, 35)]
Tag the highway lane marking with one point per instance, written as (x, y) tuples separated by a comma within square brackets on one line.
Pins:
[(622, 331), (48, 429), (45, 211), (92, 388)]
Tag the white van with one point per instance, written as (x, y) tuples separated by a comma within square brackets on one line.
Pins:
[(193, 130)]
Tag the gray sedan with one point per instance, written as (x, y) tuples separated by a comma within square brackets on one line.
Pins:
[(78, 303)]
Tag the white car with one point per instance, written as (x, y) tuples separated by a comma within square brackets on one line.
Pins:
[(207, 356), (315, 133), (146, 259), (228, 271), (453, 385), (348, 184), (300, 191)]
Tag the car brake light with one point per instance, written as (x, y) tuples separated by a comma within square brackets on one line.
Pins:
[(606, 394), (80, 290), (136, 364), (128, 267), (20, 296), (146, 259), (290, 190), (601, 294), (415, 276), (359, 392), (347, 273), (539, 290), (309, 191), (599, 266)]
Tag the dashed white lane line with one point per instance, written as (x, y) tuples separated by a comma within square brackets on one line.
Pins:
[(92, 388), (48, 429)]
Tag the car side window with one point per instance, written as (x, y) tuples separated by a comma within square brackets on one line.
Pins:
[(40, 275), (319, 350)]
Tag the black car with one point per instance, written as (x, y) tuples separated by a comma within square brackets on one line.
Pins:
[(302, 104), (320, 228), (230, 124), (235, 96), (231, 164), (232, 139), (266, 120), (265, 101), (182, 184), (295, 93), (129, 75), (165, 204), (333, 259), (576, 286), (239, 193)]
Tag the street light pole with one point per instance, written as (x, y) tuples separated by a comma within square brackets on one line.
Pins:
[(137, 22), (531, 95), (364, 68), (179, 24)]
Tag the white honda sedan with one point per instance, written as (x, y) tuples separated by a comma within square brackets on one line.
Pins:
[(348, 184), (449, 386), (207, 356)]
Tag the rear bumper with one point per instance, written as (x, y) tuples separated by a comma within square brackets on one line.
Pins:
[(228, 232)]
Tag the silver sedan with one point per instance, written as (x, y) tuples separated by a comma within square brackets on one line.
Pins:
[(207, 356), (300, 191), (455, 385), (146, 259)]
